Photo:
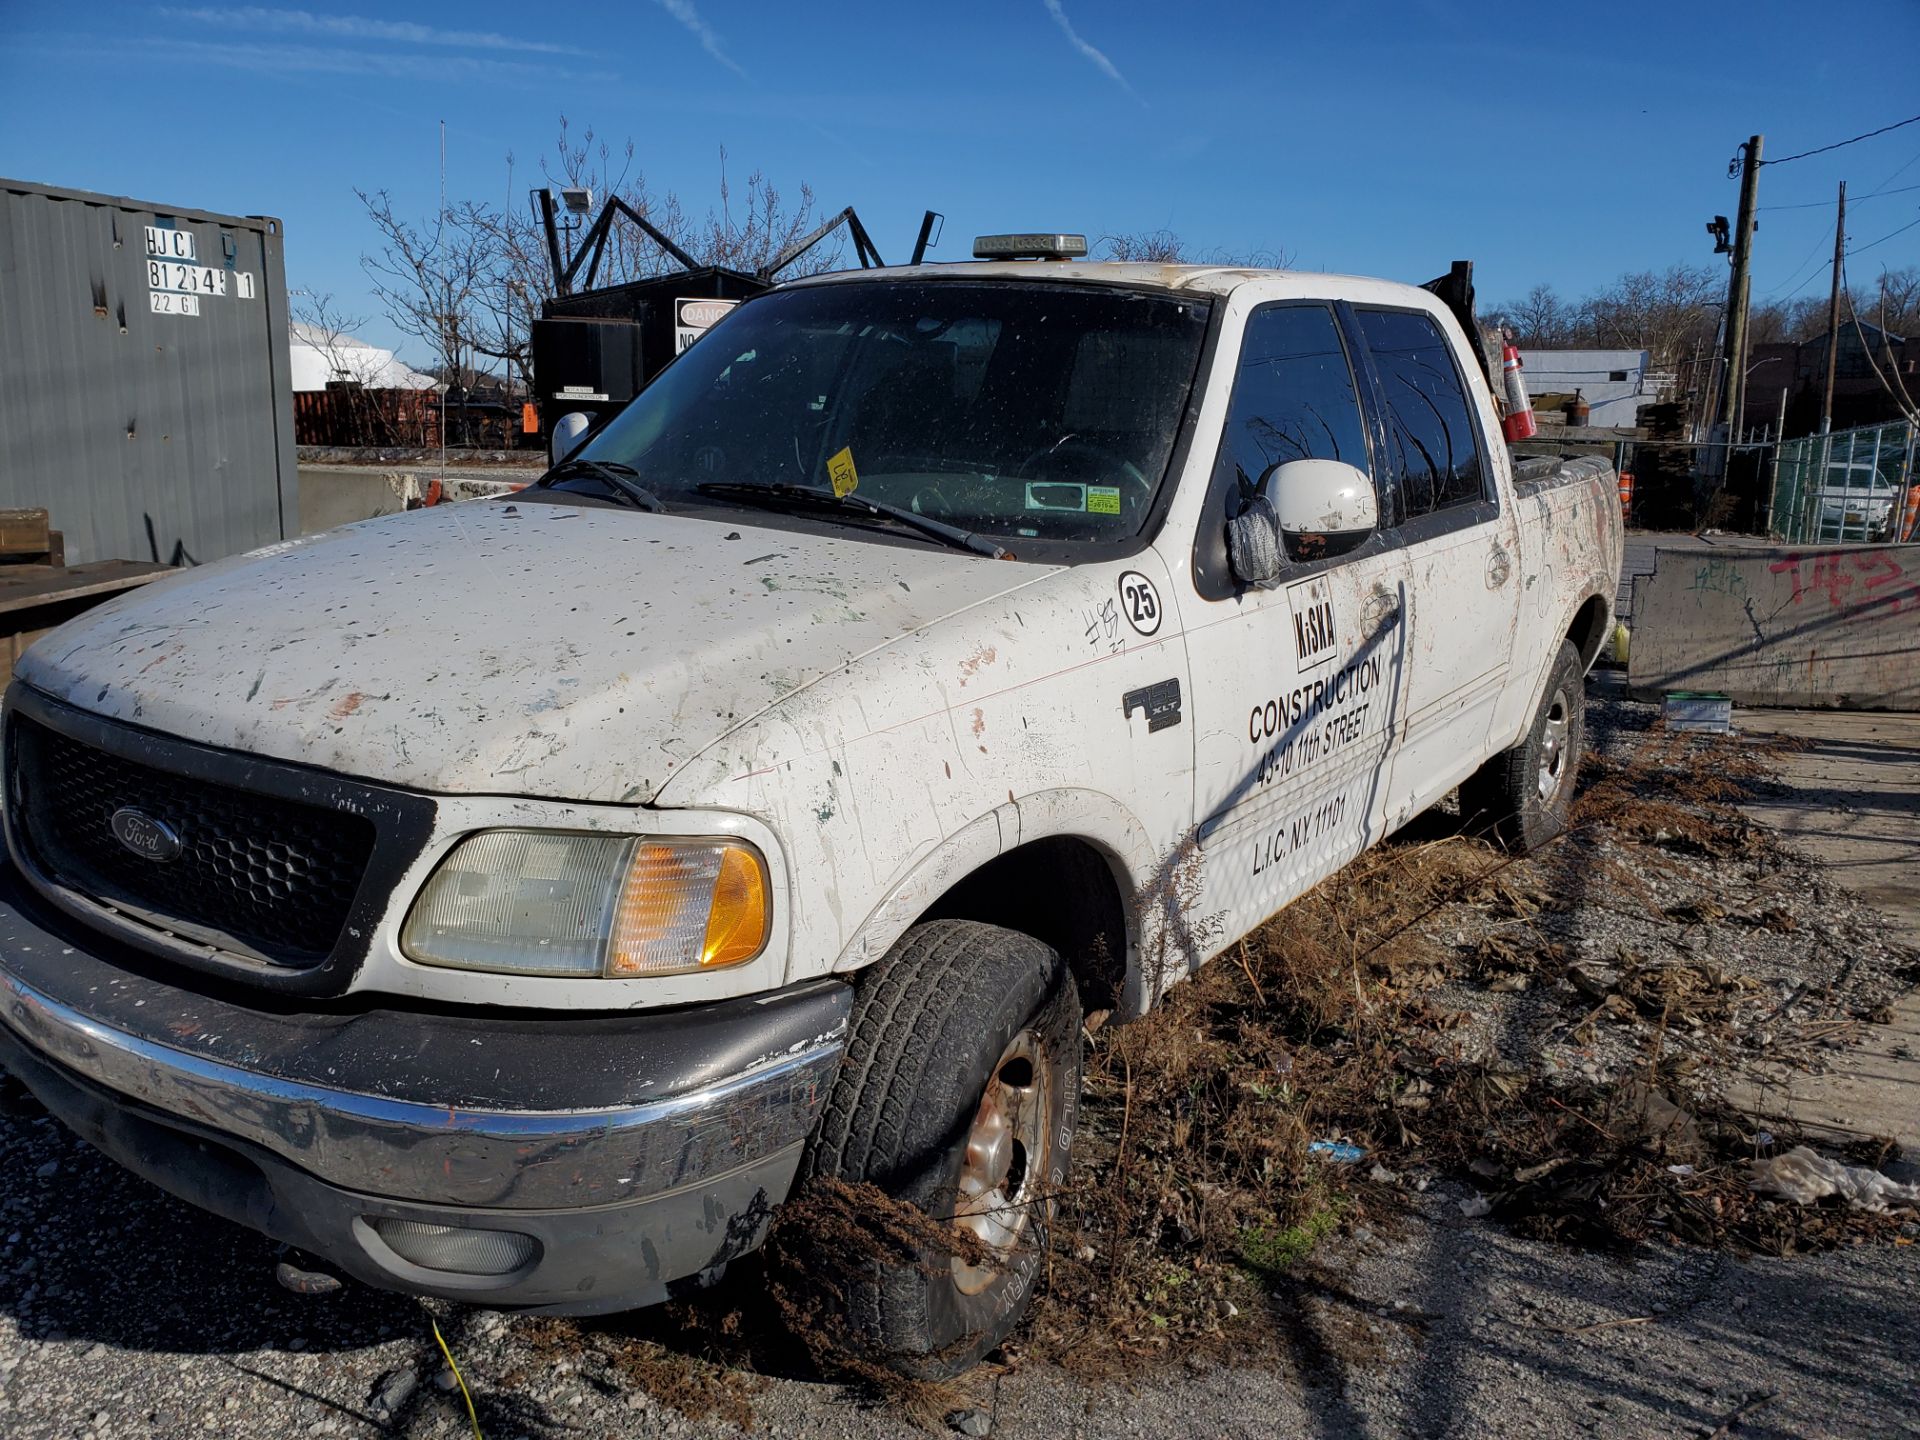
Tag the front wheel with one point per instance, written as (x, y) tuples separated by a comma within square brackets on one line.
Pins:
[(958, 1096), (1523, 795)]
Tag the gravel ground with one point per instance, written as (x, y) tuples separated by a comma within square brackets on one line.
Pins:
[(124, 1312), (131, 1314)]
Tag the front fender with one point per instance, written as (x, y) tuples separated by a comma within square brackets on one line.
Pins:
[(1151, 885)]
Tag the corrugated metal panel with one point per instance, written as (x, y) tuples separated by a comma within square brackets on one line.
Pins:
[(148, 436)]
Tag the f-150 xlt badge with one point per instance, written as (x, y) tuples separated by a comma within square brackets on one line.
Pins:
[(1159, 703), (145, 836)]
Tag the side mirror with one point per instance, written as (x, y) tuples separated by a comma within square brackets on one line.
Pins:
[(568, 431), (1322, 498), (1307, 509)]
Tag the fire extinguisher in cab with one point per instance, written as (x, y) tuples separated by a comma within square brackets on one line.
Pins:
[(1518, 422)]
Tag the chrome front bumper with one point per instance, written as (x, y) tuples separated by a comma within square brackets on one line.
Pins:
[(444, 1154), (638, 1149)]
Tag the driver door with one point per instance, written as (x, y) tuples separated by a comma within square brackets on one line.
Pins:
[(1299, 686)]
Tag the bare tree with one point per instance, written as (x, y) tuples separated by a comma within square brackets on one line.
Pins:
[(1163, 247), (468, 282), (330, 334), (515, 277), (428, 275), (1899, 293), (354, 369), (1663, 312), (1145, 247), (1541, 320), (762, 229), (590, 163)]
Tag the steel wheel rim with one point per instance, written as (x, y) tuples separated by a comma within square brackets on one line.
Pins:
[(1553, 745), (1005, 1158)]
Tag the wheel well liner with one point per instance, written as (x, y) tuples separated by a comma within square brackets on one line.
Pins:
[(1588, 632), (1061, 890)]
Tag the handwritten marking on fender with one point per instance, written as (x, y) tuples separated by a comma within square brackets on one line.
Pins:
[(1103, 628)]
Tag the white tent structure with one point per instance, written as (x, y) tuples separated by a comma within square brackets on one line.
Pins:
[(320, 357)]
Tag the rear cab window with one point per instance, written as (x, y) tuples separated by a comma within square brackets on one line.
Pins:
[(1433, 443)]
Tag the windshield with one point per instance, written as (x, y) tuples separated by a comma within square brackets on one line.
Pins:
[(1040, 411)]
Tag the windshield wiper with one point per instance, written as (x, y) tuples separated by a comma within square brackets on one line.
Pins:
[(781, 495), (622, 479)]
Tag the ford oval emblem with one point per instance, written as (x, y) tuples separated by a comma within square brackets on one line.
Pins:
[(145, 836)]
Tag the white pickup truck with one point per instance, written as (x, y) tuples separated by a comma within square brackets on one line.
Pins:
[(510, 901)]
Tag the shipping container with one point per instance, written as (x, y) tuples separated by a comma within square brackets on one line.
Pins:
[(144, 383)]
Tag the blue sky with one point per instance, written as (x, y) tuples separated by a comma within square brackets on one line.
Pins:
[(1547, 145)]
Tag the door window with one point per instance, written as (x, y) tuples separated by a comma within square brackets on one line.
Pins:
[(1293, 398), (1432, 441)]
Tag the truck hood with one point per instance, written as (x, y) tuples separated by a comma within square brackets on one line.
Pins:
[(571, 652)]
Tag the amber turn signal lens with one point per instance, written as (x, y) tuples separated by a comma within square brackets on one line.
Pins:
[(688, 907), (737, 923)]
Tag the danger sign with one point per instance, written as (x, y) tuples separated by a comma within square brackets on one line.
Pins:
[(693, 318)]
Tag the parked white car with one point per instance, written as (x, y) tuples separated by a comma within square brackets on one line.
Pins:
[(508, 901), (1856, 502)]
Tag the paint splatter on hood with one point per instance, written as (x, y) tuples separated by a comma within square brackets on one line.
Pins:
[(571, 652)]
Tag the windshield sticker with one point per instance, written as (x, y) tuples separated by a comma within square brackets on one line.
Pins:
[(1056, 495), (1103, 499), (840, 472), (1139, 602)]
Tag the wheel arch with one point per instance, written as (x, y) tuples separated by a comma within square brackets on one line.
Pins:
[(1589, 628), (1058, 865)]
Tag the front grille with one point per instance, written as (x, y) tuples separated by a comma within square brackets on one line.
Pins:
[(269, 875)]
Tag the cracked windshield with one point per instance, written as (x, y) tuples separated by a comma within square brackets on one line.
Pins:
[(1025, 411)]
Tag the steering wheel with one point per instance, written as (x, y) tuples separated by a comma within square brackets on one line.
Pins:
[(931, 501), (1073, 444)]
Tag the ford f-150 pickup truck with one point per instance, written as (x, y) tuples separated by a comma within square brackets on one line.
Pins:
[(512, 901)]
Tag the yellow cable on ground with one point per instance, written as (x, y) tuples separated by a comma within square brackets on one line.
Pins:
[(458, 1378)]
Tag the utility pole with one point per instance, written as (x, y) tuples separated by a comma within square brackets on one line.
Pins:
[(1833, 309), (1734, 384)]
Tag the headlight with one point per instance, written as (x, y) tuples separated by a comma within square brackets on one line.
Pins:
[(564, 903)]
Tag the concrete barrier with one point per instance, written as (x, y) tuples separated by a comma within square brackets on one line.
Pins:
[(335, 495), (1826, 626)]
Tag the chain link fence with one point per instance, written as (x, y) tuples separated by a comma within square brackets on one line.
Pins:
[(1851, 487)]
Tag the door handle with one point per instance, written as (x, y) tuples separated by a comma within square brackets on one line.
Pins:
[(1499, 567), (1381, 610)]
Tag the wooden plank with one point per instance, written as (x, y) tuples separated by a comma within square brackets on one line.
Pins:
[(24, 532), (25, 586)]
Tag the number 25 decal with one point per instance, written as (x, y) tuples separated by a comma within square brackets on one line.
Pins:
[(1139, 601)]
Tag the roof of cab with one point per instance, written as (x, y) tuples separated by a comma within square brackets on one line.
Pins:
[(1209, 279)]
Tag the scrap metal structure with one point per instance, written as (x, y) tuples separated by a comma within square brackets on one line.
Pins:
[(595, 347)]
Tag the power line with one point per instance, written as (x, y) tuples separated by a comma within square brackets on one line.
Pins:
[(1888, 236), (1855, 140), (1851, 199), (1905, 404), (1818, 246), (1900, 170)]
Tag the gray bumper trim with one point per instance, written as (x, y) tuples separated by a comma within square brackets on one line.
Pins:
[(410, 1151)]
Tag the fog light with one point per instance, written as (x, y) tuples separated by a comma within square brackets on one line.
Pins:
[(453, 1248)]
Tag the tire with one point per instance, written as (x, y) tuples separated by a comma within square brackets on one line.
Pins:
[(1522, 796), (954, 1006)]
